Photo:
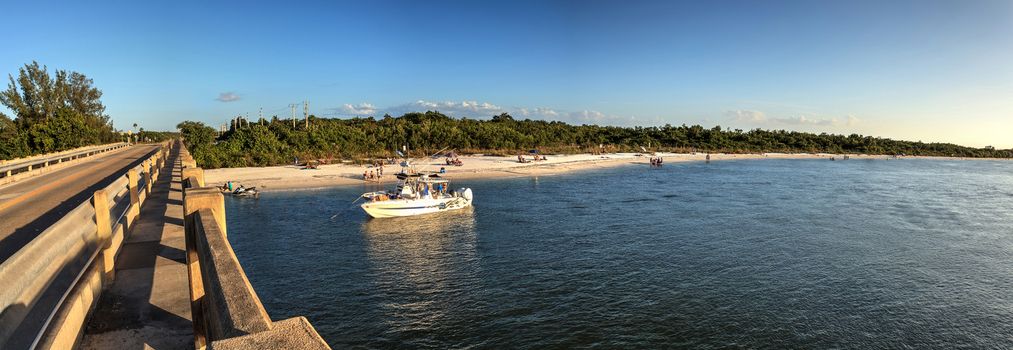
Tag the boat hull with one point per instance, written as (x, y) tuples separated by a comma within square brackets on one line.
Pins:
[(411, 207)]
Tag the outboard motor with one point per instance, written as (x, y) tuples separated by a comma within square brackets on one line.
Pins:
[(466, 193)]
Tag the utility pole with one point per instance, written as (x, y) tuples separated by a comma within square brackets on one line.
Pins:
[(292, 106), (306, 112)]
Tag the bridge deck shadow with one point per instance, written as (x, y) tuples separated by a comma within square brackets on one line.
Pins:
[(148, 304)]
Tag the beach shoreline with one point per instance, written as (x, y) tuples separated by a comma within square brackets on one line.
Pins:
[(291, 177)]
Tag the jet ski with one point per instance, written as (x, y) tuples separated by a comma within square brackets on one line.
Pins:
[(243, 191)]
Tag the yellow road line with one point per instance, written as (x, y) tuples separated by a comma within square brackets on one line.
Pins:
[(48, 186)]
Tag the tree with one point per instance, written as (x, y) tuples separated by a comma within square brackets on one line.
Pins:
[(431, 131), (52, 112)]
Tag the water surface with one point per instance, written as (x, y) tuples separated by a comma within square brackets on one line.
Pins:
[(754, 253)]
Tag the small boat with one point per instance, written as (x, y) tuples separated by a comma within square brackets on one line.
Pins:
[(416, 194)]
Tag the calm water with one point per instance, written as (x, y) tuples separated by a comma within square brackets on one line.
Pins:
[(757, 254)]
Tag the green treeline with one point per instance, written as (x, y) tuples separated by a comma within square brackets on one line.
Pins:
[(51, 113), (275, 141)]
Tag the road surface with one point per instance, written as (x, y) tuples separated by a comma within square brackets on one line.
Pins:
[(29, 206)]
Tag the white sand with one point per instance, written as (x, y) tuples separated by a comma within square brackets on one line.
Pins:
[(291, 177)]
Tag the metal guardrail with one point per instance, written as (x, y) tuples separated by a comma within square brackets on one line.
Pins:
[(45, 160), (49, 285)]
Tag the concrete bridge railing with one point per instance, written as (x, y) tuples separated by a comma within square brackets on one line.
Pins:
[(227, 314), (14, 170), (51, 285)]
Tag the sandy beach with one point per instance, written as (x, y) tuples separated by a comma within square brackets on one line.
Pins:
[(475, 166)]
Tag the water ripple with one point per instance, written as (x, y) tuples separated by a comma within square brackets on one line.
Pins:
[(756, 254)]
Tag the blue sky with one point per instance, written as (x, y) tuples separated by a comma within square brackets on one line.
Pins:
[(917, 70)]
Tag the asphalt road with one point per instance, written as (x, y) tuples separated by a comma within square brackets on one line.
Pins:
[(29, 206)]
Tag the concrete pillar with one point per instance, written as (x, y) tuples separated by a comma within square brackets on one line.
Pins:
[(195, 199), (197, 173), (103, 222), (29, 167), (135, 201)]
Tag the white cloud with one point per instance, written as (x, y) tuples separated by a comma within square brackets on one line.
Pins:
[(460, 109), (758, 118), (803, 120), (747, 116), (485, 110), (228, 97), (362, 109), (537, 112), (851, 120)]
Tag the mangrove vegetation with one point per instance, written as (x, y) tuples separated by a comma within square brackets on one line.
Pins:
[(281, 141)]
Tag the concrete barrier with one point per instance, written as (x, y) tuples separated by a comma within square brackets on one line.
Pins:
[(18, 169), (226, 311), (52, 284)]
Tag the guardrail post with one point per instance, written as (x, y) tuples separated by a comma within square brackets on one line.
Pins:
[(135, 201), (156, 164), (103, 223), (147, 177), (195, 199)]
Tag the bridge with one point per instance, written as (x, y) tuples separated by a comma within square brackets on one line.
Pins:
[(123, 246)]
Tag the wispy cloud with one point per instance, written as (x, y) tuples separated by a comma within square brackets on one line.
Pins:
[(228, 97)]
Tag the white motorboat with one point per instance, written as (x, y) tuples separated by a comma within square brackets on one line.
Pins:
[(416, 194)]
